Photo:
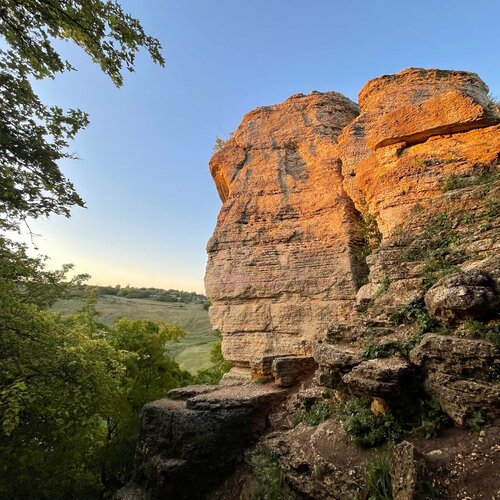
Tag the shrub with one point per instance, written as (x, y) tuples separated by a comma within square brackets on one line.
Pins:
[(317, 413), (365, 428), (370, 235), (477, 421), (415, 312), (377, 478)]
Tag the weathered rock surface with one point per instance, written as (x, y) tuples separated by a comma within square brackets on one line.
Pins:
[(282, 263), (379, 377), (187, 446), (461, 374), (333, 362), (289, 370), (408, 472), (413, 160), (468, 295), (315, 464)]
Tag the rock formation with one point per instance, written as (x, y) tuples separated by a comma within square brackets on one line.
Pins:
[(355, 273), (282, 261)]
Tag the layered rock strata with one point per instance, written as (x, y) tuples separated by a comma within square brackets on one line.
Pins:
[(282, 261), (300, 212), (349, 240)]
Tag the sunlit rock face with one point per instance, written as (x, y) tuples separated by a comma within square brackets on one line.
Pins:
[(421, 159), (303, 181), (415, 129), (282, 261)]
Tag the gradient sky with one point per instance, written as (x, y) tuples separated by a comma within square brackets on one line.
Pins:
[(143, 173)]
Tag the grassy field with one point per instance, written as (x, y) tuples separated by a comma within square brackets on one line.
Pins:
[(192, 352)]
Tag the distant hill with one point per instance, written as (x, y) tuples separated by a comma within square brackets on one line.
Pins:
[(192, 352), (131, 292)]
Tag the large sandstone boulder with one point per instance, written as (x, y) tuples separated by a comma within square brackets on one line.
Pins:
[(282, 261)]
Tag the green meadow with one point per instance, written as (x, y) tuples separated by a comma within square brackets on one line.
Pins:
[(192, 352)]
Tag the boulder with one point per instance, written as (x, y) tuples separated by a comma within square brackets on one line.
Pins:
[(288, 370), (408, 472), (456, 356), (383, 377), (461, 374), (472, 295), (333, 362)]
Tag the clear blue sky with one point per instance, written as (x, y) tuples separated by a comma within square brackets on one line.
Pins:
[(144, 159)]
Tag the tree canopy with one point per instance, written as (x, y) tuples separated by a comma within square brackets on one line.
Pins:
[(34, 136)]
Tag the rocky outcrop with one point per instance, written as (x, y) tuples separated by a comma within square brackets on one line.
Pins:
[(347, 233), (300, 212), (190, 443), (379, 377), (282, 261), (469, 295), (333, 362), (461, 374)]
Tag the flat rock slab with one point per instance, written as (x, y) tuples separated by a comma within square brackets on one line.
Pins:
[(188, 445), (190, 391), (236, 396), (378, 377)]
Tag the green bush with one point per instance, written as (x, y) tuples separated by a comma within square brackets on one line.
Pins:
[(317, 413), (365, 428), (415, 312), (477, 421), (377, 478)]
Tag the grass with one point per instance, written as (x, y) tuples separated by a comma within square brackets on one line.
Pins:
[(192, 352), (454, 181), (485, 331), (267, 477), (377, 478), (433, 246)]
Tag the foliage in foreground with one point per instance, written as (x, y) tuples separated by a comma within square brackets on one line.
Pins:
[(34, 136), (71, 389)]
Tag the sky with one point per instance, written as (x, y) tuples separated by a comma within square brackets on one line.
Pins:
[(143, 167)]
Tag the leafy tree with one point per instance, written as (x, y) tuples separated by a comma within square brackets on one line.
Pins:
[(55, 382), (149, 374), (61, 381), (33, 136)]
